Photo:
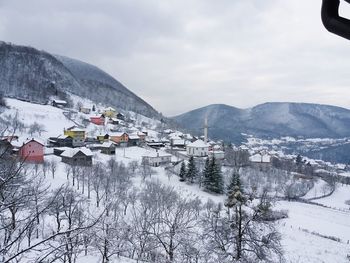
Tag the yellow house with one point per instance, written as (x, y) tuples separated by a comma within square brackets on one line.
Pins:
[(77, 134), (110, 112), (74, 132)]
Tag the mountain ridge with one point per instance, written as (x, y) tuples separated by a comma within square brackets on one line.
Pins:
[(30, 74), (270, 119)]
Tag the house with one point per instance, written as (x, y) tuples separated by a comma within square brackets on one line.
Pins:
[(156, 158), (120, 116), (60, 141), (98, 120), (113, 121), (77, 134), (110, 112), (59, 150), (85, 110), (217, 154), (178, 143), (168, 131), (103, 138), (142, 136), (108, 148), (121, 138), (59, 103), (198, 148), (77, 156), (134, 140), (32, 150), (155, 145), (262, 158)]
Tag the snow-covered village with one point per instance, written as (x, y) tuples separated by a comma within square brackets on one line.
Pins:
[(174, 132)]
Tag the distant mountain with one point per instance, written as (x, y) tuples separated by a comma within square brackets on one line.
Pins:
[(27, 73), (269, 120)]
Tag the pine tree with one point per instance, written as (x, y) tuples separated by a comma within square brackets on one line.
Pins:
[(217, 181), (206, 174), (183, 172), (234, 181), (213, 181), (191, 170)]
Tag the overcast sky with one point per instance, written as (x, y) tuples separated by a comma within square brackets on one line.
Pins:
[(183, 54)]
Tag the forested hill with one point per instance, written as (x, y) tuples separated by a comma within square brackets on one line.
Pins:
[(30, 74), (270, 120)]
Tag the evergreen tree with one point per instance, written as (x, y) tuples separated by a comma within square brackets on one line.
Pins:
[(93, 108), (218, 183), (213, 181), (183, 172), (234, 181), (191, 170), (206, 174)]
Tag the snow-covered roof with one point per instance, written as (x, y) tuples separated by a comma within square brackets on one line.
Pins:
[(198, 144), (73, 151), (75, 129), (178, 142), (20, 143), (62, 148), (117, 134), (174, 137), (217, 147), (107, 145), (36, 140), (258, 158), (110, 109), (134, 137), (156, 154), (60, 101)]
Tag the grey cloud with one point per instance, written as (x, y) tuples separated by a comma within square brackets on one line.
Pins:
[(179, 55)]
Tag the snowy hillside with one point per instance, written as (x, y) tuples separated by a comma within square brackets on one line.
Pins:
[(270, 120), (29, 74)]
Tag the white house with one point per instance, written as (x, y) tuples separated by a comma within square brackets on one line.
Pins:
[(156, 158), (198, 148), (220, 155), (260, 158)]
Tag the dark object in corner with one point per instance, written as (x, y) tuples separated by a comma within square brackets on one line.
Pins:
[(331, 19)]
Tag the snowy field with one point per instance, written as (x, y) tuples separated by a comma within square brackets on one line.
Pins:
[(338, 198)]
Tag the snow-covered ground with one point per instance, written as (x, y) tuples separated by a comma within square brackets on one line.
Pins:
[(320, 188), (303, 232), (338, 198)]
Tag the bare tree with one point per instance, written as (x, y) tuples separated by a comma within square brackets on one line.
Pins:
[(53, 167), (36, 128), (175, 217)]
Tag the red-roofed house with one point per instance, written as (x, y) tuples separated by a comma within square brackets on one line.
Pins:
[(32, 151), (98, 120)]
